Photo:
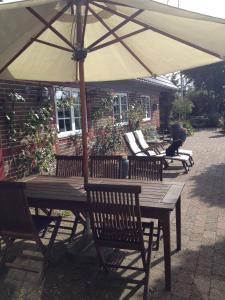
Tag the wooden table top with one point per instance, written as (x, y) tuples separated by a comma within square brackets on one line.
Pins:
[(70, 190)]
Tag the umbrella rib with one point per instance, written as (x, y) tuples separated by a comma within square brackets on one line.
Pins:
[(123, 23), (122, 42), (52, 45), (85, 23), (112, 2), (32, 40), (34, 13), (118, 39), (160, 31)]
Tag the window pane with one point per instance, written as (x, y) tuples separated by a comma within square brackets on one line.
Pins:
[(68, 124), (60, 113), (67, 113), (147, 106), (123, 100), (116, 110), (68, 116), (58, 95), (116, 100), (124, 108), (76, 97), (117, 118), (77, 111), (61, 126), (77, 123), (124, 117)]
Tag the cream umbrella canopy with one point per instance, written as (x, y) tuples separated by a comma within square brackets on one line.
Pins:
[(52, 40)]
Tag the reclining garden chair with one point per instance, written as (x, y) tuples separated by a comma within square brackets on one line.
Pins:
[(16, 222), (160, 147), (117, 224), (132, 144)]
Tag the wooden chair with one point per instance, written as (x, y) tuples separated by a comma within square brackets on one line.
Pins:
[(145, 168), (106, 166), (70, 166), (116, 223), (16, 222)]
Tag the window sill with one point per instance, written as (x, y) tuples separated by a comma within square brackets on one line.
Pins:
[(146, 119), (62, 135), (120, 124)]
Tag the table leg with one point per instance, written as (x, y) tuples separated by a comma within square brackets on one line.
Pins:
[(88, 226), (178, 223), (167, 258)]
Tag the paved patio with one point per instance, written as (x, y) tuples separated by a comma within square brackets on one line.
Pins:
[(198, 271)]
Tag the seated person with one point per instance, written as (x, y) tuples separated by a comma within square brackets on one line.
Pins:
[(182, 134), (173, 148)]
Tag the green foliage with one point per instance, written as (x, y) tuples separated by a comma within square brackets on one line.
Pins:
[(209, 94), (181, 108), (9, 113), (38, 138), (135, 115), (150, 133), (35, 136), (108, 137), (213, 120), (204, 105), (65, 101), (108, 134), (221, 121), (189, 128)]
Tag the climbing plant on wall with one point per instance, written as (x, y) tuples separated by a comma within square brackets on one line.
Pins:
[(35, 136)]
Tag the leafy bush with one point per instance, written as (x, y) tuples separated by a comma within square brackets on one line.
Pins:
[(213, 120), (181, 108), (199, 121), (189, 128), (150, 133)]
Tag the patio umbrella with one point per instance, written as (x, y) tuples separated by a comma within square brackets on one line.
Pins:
[(52, 40)]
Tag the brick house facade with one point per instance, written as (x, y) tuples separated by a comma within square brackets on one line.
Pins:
[(68, 141)]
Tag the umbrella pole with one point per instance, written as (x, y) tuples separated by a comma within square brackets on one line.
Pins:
[(79, 56), (83, 108)]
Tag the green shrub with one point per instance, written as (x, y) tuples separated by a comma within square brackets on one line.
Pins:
[(213, 120), (188, 126)]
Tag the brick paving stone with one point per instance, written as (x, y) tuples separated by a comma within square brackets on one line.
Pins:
[(202, 283), (216, 295), (217, 282)]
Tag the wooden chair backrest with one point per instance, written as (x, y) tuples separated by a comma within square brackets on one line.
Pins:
[(106, 166), (145, 168), (15, 217), (115, 214), (69, 165)]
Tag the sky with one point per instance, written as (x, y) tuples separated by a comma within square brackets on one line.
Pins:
[(214, 8)]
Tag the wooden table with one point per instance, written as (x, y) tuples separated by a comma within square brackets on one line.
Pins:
[(157, 200)]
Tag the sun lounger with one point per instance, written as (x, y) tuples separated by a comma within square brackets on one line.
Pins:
[(136, 150), (159, 149)]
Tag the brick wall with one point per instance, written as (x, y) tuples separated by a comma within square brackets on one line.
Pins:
[(32, 94)]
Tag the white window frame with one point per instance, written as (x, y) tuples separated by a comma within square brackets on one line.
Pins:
[(120, 95), (74, 130), (146, 98)]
